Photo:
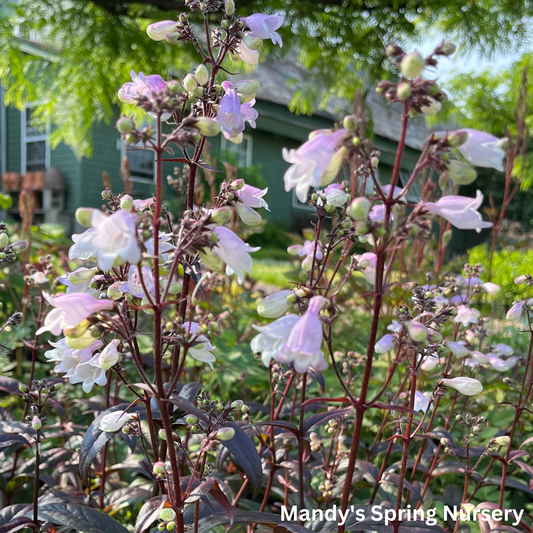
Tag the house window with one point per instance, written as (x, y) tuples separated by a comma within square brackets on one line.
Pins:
[(35, 147), (301, 205), (141, 164), (240, 153)]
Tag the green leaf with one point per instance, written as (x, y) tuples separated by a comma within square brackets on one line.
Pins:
[(5, 201)]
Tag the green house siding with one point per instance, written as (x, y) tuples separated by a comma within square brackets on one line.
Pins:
[(13, 140), (64, 159)]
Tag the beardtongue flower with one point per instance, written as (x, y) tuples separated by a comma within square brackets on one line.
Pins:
[(69, 359), (252, 196), (308, 250), (69, 310), (457, 349), (422, 401), (460, 211), (249, 56), (234, 252), (264, 26), (114, 238), (313, 164), (335, 195), (202, 351), (515, 313), (142, 86), (159, 30), (466, 386), (483, 149), (305, 339), (272, 337), (114, 421), (384, 344), (233, 115), (460, 173), (135, 285), (466, 315), (275, 305), (109, 356)]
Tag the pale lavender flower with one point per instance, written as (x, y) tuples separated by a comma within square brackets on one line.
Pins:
[(234, 252), (460, 211), (69, 310), (249, 56), (466, 386), (307, 251), (252, 196), (515, 313), (502, 349), (109, 356), (114, 421), (159, 30), (368, 262), (233, 115), (422, 401), (134, 285), (202, 351), (275, 305), (313, 164), (385, 343), (272, 337), (264, 26), (68, 359), (466, 315), (483, 149), (458, 349)]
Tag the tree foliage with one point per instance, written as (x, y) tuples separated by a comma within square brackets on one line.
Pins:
[(90, 47)]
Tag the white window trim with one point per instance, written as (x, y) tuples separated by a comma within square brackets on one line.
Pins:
[(45, 136), (225, 146), (123, 153), (299, 205)]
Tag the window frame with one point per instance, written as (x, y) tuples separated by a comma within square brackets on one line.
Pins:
[(225, 147), (25, 140), (124, 153)]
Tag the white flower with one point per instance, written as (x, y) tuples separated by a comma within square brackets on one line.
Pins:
[(460, 211), (165, 244), (275, 305), (368, 262), (479, 357), (234, 252), (422, 401), (250, 57), (430, 362), (69, 310), (308, 250), (483, 149), (466, 386), (271, 338), (89, 373), (491, 288), (134, 285), (515, 313), (335, 195), (384, 344), (39, 278), (499, 364), (200, 352), (252, 196), (67, 358), (466, 315), (248, 215), (502, 349), (114, 421), (457, 349), (109, 356), (314, 164)]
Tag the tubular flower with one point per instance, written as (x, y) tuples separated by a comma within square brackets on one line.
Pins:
[(313, 164), (200, 352), (70, 309), (460, 211), (114, 421), (483, 149), (307, 250), (264, 26), (275, 305), (271, 338), (134, 285), (466, 386), (159, 30), (234, 252), (233, 115)]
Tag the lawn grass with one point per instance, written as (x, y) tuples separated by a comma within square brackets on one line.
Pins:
[(272, 272)]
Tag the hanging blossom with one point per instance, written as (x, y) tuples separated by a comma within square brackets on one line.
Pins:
[(114, 421), (466, 315), (143, 86), (516, 311), (460, 211), (249, 56), (276, 304), (316, 163), (232, 115), (264, 26), (307, 250), (202, 351), (294, 339), (111, 239), (335, 195), (250, 198), (422, 401), (466, 386), (165, 245), (69, 359), (69, 310), (481, 149), (367, 262), (134, 285), (233, 251)]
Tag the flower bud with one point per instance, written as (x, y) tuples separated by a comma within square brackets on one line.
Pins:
[(457, 349), (58, 386), (237, 404), (520, 280), (82, 275), (457, 138), (432, 108), (229, 7), (77, 331), (253, 43), (361, 227), (447, 49), (4, 240), (23, 388), (275, 305), (417, 331), (502, 441), (207, 126), (84, 216), (349, 123), (460, 172), (167, 514), (201, 74), (114, 292), (221, 215), (171, 526), (191, 419), (359, 208), (79, 342), (403, 91), (126, 203), (175, 287), (36, 423), (356, 141), (159, 30), (466, 386), (225, 434), (246, 87), (115, 421), (162, 434), (412, 65), (190, 83), (125, 125), (159, 468)]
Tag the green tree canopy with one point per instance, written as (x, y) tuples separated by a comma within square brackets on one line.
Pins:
[(90, 47)]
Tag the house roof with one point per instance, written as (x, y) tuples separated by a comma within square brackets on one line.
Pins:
[(277, 79)]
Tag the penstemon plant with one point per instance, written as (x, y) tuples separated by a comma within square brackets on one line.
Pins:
[(382, 370)]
